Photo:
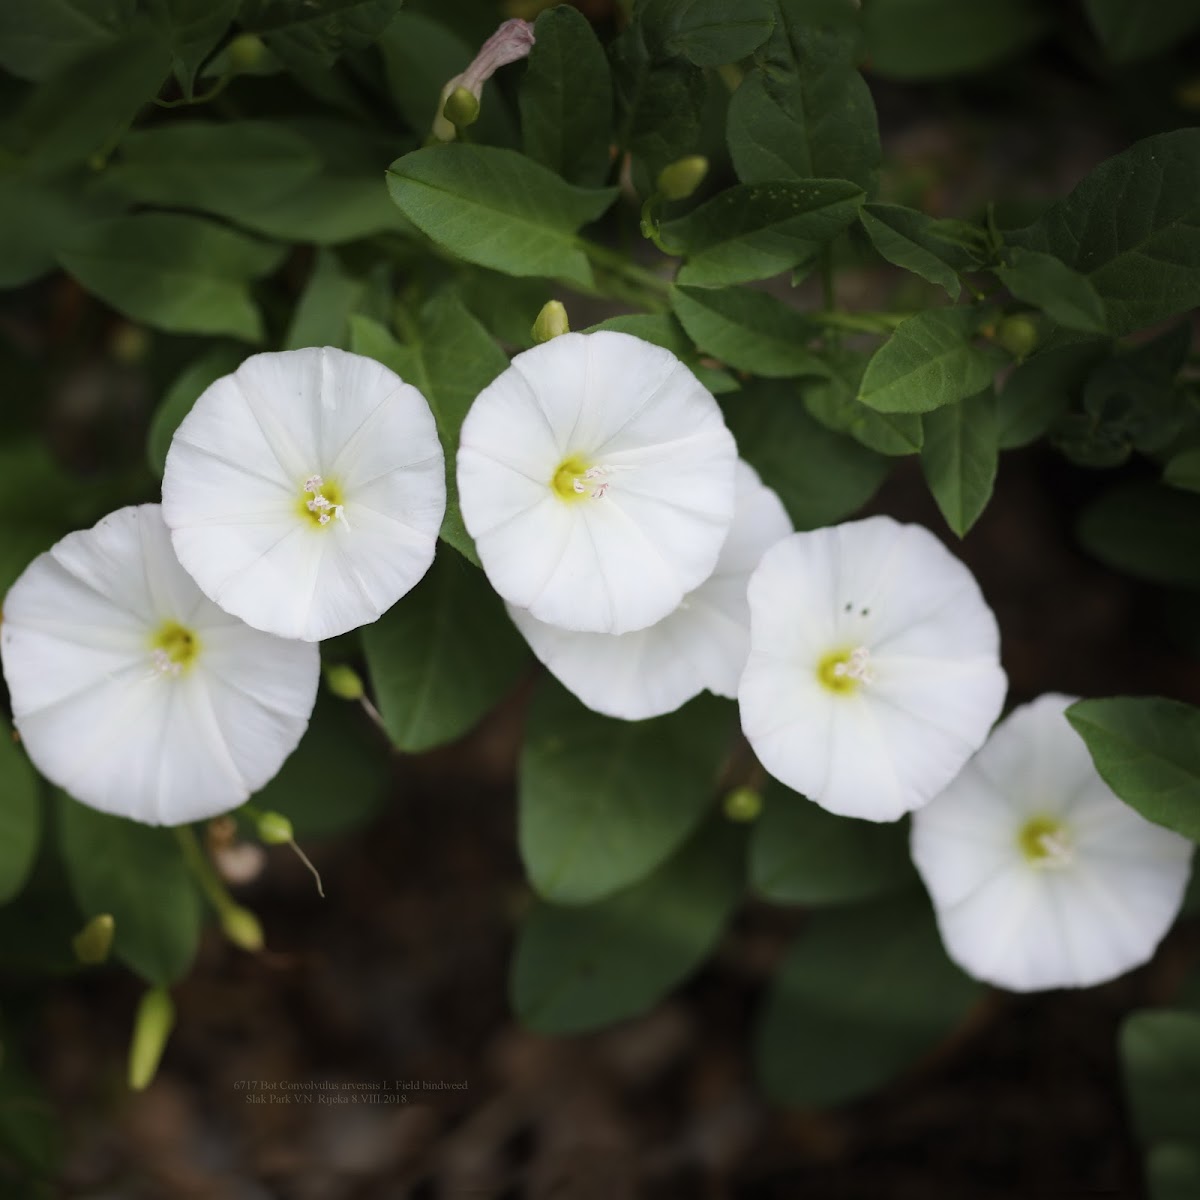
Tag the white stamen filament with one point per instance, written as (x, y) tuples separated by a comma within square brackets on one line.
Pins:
[(597, 490), (856, 667), (1058, 850), (164, 664), (320, 505)]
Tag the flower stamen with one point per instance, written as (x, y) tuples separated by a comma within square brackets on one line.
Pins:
[(173, 649), (322, 507), (844, 670), (1046, 844)]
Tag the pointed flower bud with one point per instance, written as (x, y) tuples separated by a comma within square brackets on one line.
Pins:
[(93, 942), (275, 829), (551, 321), (151, 1028), (511, 42), (242, 928), (678, 180), (1018, 334), (344, 682), (743, 805)]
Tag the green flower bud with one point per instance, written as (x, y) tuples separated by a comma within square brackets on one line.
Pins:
[(242, 928), (678, 180), (344, 682), (1018, 334), (551, 321), (275, 829), (151, 1028), (743, 804), (93, 942), (461, 108), (246, 52)]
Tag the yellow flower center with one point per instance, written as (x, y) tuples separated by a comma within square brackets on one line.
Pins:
[(174, 648), (569, 482), (321, 501), (1045, 843), (843, 670)]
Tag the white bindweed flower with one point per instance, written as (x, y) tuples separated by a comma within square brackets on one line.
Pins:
[(596, 477), (1040, 876), (874, 669), (305, 491), (133, 692), (702, 644)]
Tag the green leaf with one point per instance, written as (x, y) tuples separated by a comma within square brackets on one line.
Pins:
[(801, 854), (935, 250), (930, 361), (337, 779), (1183, 470), (834, 402), (662, 329), (322, 314), (805, 112), (1040, 390), (959, 458), (929, 39), (603, 802), (1130, 31), (178, 273), (864, 992), (821, 477), (1147, 531), (1060, 292), (20, 816), (313, 36), (566, 99), (1133, 228), (232, 169), (420, 55), (442, 656), (1147, 750), (1173, 1172), (182, 394), (498, 209), (755, 230), (586, 967), (38, 38), (449, 358), (192, 29), (709, 33), (137, 873), (749, 330), (36, 218), (1160, 1052)]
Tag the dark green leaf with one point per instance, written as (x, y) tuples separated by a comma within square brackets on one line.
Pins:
[(192, 29), (1060, 292), (834, 402), (864, 992), (313, 36), (1160, 1051), (603, 802), (930, 361), (755, 230), (136, 873), (927, 39), (1130, 30), (1133, 228), (959, 458), (1183, 470), (498, 209), (586, 967), (708, 33), (177, 273), (182, 394), (1173, 1171), (1147, 531), (322, 314), (566, 99), (801, 854), (1147, 750), (899, 234), (38, 38), (442, 656), (749, 330), (1040, 389), (20, 816), (821, 477)]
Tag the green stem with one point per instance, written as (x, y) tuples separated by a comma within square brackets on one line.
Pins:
[(620, 266), (862, 322), (827, 280), (204, 872)]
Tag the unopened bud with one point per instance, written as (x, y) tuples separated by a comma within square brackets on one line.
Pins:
[(93, 942), (275, 829), (246, 52), (242, 928), (678, 180), (130, 344), (743, 804), (461, 108), (551, 321), (344, 682), (1018, 335), (151, 1028)]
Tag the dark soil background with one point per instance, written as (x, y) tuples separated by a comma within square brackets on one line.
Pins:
[(400, 974)]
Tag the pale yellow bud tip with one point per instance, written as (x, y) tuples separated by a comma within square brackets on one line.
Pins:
[(551, 321), (151, 1028), (344, 682), (743, 805), (461, 108), (93, 942), (275, 829), (242, 928), (678, 180)]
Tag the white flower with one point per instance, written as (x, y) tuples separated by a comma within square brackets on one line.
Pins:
[(1040, 876), (596, 477), (874, 668), (702, 644), (133, 692), (304, 492)]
